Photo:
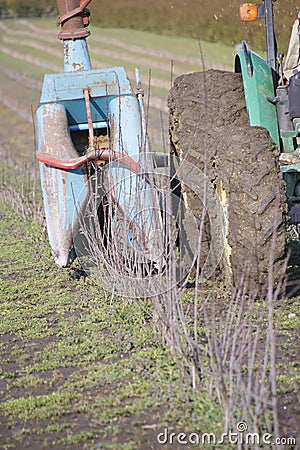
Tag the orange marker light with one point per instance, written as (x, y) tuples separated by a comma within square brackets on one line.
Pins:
[(248, 12)]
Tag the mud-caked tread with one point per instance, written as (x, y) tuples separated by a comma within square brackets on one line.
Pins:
[(209, 127)]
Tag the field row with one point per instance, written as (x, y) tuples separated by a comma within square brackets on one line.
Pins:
[(30, 48)]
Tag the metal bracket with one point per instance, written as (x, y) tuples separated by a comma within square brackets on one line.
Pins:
[(73, 13), (261, 11), (94, 155), (248, 59), (87, 93), (291, 133)]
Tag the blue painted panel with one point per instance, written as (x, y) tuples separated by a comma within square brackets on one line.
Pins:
[(76, 110), (76, 55), (69, 86)]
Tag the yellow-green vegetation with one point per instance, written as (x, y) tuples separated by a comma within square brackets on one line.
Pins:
[(25, 8), (81, 368), (77, 364), (30, 49)]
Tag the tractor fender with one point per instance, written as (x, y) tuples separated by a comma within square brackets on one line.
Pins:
[(259, 90), (65, 192)]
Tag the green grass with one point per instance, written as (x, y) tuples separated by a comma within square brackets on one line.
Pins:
[(26, 69), (82, 368), (24, 49), (77, 364), (28, 96), (174, 45)]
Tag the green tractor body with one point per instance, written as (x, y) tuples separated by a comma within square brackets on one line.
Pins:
[(258, 86), (252, 158), (273, 102)]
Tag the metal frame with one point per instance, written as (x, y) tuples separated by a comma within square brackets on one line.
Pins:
[(271, 46), (86, 99)]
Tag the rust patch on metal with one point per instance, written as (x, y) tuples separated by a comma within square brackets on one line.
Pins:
[(73, 19)]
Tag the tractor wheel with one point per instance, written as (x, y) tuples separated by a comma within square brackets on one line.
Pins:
[(209, 128)]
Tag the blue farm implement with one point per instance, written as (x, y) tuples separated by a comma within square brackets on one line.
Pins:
[(88, 119)]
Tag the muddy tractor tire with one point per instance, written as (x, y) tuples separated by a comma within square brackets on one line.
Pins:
[(209, 128)]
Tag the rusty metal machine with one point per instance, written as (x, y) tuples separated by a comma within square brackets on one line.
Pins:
[(88, 119)]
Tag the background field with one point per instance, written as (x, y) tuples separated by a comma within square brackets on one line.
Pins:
[(30, 49), (211, 20)]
